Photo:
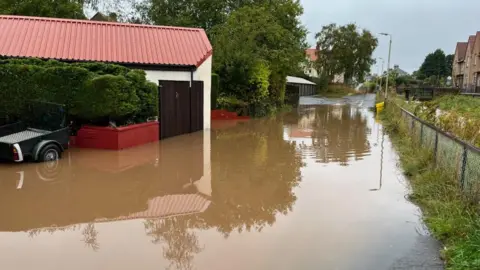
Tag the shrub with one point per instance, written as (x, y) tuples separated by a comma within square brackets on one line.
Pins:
[(17, 84), (31, 61), (61, 84), (215, 90), (147, 93), (103, 69), (369, 86), (90, 91), (259, 81), (232, 104), (321, 82), (106, 96)]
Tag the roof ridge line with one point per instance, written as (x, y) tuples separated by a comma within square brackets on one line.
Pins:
[(35, 18)]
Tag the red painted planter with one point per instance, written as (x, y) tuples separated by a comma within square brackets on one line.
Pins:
[(117, 138), (226, 115)]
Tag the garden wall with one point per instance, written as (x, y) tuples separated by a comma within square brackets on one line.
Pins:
[(117, 138)]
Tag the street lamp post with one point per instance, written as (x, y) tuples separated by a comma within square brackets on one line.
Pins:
[(381, 72), (388, 64)]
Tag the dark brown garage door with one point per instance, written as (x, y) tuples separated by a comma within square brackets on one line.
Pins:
[(181, 107), (196, 106)]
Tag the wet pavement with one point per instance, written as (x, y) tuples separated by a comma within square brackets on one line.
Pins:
[(316, 188)]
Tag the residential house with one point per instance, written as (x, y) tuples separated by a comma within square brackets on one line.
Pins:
[(310, 70), (475, 68), (470, 62), (400, 71), (458, 69), (104, 18), (312, 57)]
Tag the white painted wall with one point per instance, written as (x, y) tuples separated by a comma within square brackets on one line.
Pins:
[(203, 73), (312, 72)]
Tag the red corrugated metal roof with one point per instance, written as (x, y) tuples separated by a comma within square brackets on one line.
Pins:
[(168, 206), (83, 40)]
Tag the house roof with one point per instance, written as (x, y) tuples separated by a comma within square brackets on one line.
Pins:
[(168, 206), (298, 80), (311, 54), (461, 50), (99, 16), (157, 208), (84, 40), (400, 71), (471, 43)]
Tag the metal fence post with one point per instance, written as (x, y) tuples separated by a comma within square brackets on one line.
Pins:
[(464, 167), (436, 146), (421, 134)]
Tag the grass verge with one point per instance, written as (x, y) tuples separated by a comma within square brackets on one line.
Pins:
[(456, 114), (452, 218)]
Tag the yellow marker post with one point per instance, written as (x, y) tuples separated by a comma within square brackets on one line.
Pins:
[(380, 106)]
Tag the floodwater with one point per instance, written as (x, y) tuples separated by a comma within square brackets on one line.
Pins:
[(316, 188)]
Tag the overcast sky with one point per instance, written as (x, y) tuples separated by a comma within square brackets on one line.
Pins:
[(418, 26)]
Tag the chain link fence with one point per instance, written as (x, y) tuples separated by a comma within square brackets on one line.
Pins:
[(460, 160)]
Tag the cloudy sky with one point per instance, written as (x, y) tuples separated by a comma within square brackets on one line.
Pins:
[(418, 26)]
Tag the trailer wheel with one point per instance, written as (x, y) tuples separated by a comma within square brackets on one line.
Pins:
[(50, 153)]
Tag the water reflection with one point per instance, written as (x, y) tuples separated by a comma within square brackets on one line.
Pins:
[(181, 244), (165, 186), (253, 181), (247, 195), (331, 133)]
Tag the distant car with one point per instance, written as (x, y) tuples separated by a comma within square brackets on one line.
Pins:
[(43, 136)]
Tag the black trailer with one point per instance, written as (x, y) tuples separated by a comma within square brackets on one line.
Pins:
[(42, 136)]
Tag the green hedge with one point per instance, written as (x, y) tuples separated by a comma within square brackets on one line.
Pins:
[(147, 93), (90, 91), (62, 84), (17, 84), (114, 97)]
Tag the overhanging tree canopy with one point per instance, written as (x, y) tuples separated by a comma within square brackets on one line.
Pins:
[(345, 49)]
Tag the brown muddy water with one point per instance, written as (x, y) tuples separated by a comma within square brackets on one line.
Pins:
[(316, 188)]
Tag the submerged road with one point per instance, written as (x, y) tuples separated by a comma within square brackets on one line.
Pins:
[(316, 188)]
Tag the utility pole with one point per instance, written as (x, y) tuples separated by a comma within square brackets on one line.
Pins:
[(388, 65), (381, 72)]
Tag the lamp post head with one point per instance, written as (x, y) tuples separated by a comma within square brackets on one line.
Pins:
[(384, 34)]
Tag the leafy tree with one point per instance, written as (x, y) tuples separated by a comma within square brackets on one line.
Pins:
[(268, 52), (345, 49), (272, 37), (435, 64), (418, 75), (449, 62), (189, 13), (403, 80), (44, 8)]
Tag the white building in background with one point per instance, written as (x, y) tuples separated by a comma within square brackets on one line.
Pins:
[(310, 70)]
